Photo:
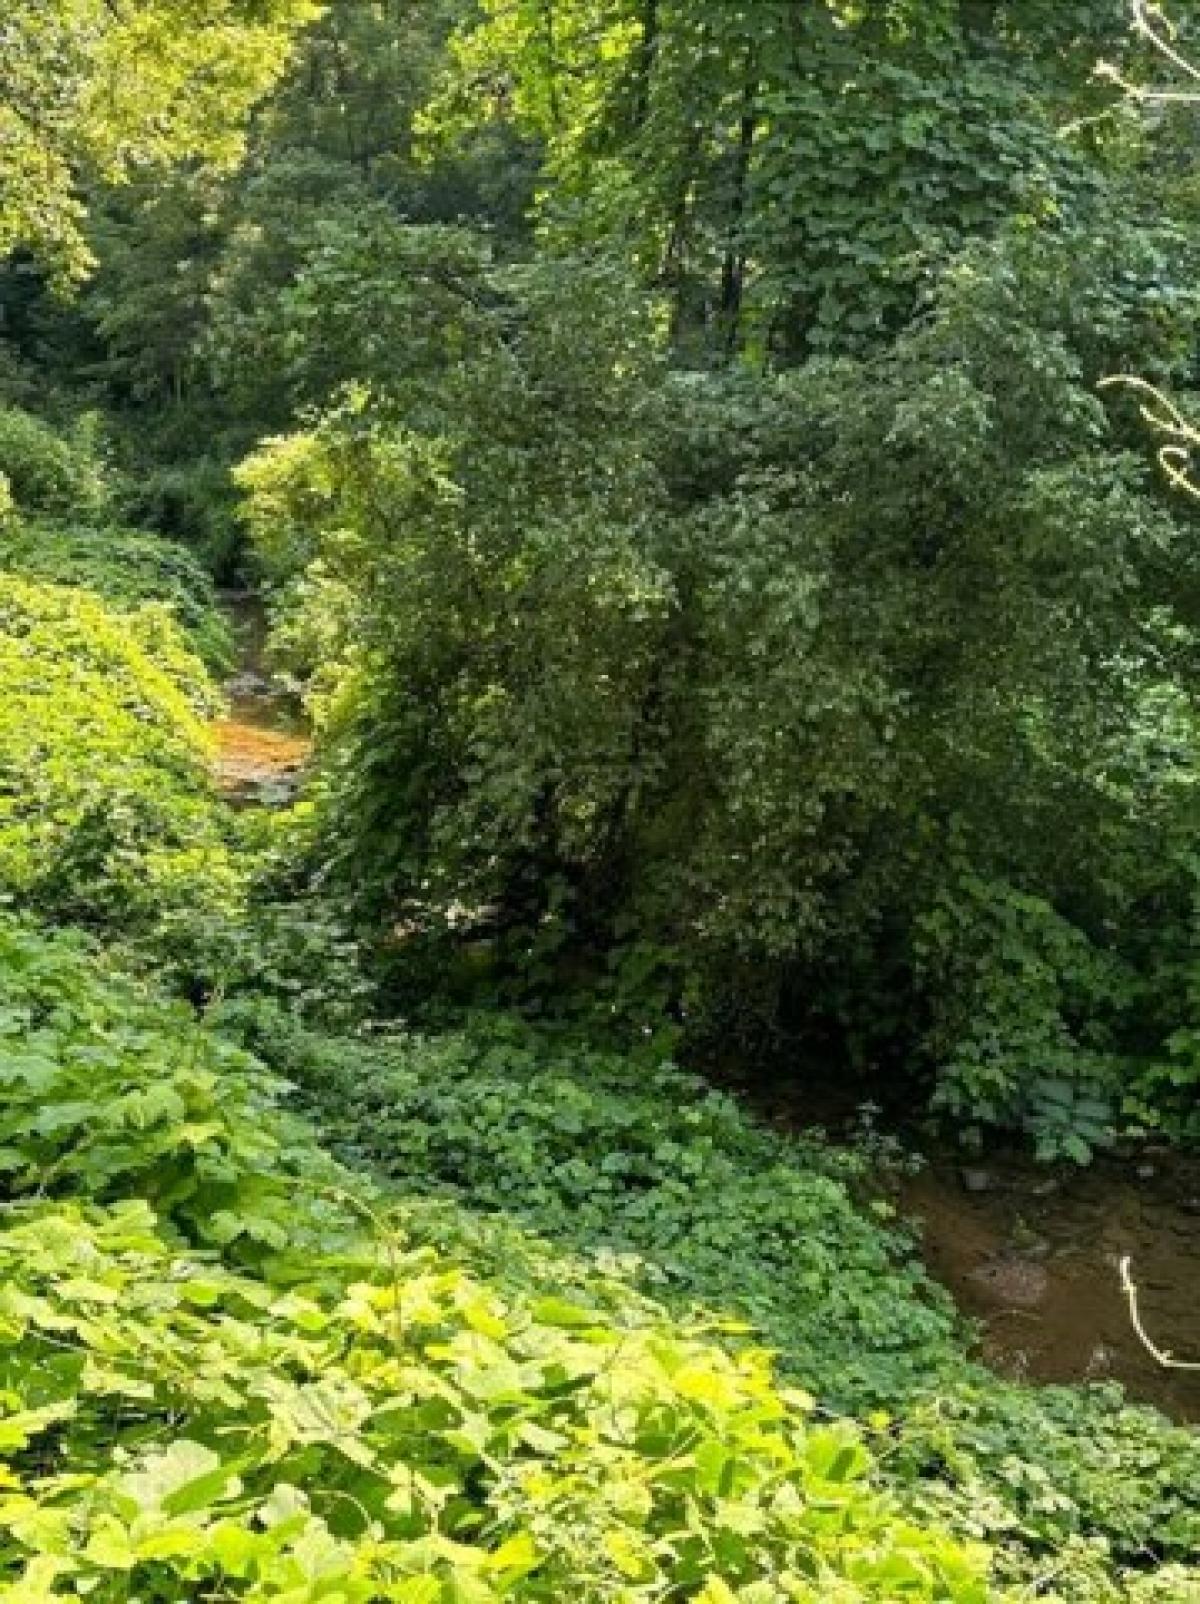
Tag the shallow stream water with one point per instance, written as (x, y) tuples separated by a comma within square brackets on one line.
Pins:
[(1032, 1253), (263, 741), (1034, 1256)]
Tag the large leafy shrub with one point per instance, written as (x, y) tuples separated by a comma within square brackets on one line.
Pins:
[(755, 674), (106, 815), (58, 474), (126, 568)]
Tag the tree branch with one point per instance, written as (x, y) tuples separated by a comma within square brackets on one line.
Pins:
[(1152, 23), (1165, 418)]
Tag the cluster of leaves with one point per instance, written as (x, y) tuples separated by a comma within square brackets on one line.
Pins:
[(239, 1388), (761, 675), (596, 1149), (130, 571), (106, 815), (112, 1094), (632, 1164)]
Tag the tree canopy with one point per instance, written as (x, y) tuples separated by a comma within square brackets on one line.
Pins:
[(100, 89)]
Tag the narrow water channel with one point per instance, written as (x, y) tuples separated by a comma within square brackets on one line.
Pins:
[(1031, 1253), (263, 741)]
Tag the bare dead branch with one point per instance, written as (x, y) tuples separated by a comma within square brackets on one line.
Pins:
[(1161, 1356), (1156, 28), (1179, 435)]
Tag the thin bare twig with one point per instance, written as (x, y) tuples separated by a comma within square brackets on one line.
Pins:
[(1161, 1356), (1182, 437), (1156, 28), (1153, 24)]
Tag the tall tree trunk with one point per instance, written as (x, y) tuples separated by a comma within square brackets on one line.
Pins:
[(647, 54), (733, 268)]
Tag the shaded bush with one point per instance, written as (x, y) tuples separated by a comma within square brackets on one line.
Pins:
[(49, 472)]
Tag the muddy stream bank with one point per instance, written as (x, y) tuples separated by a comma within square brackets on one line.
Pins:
[(1033, 1256), (1031, 1253)]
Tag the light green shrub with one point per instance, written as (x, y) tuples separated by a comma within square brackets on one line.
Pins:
[(106, 813), (127, 569), (51, 473)]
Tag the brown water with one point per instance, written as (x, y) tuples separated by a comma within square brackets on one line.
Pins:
[(1032, 1254), (263, 743), (1034, 1257)]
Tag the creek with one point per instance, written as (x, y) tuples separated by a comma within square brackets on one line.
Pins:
[(263, 741), (1031, 1253)]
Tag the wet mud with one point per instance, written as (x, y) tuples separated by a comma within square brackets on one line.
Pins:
[(1034, 1258)]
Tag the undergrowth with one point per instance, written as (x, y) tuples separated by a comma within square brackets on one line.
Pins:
[(639, 1164), (228, 1372), (131, 571), (106, 815), (554, 1321)]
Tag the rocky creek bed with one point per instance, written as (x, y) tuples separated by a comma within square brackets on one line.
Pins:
[(263, 742)]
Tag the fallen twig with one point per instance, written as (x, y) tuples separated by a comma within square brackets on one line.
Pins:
[(1161, 1356)]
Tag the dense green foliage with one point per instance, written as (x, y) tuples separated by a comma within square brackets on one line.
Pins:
[(738, 628), (97, 89), (104, 808), (444, 1387), (131, 571), (226, 1408), (591, 1149), (790, 176), (48, 474), (315, 1411), (776, 678)]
